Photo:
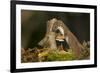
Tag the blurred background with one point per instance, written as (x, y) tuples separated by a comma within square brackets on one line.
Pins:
[(33, 25)]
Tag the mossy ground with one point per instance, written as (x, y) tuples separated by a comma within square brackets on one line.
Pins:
[(57, 55), (48, 54)]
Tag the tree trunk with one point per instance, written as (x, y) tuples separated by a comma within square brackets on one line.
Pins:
[(48, 41)]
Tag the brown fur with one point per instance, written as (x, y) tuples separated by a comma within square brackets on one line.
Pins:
[(72, 39)]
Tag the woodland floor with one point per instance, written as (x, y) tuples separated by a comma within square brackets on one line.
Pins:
[(48, 54)]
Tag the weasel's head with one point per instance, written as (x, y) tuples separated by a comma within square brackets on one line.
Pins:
[(56, 25)]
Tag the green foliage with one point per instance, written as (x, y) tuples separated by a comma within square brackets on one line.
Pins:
[(56, 55)]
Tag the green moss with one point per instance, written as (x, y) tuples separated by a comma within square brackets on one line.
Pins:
[(59, 56)]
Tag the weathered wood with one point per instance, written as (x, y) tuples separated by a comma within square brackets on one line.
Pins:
[(49, 39)]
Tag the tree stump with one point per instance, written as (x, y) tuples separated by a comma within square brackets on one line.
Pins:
[(49, 40)]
